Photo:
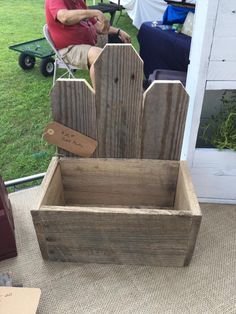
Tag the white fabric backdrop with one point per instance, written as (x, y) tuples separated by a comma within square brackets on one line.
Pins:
[(144, 10)]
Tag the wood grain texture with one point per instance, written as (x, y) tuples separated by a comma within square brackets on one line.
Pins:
[(109, 237), (127, 182), (55, 192), (52, 193), (186, 199), (38, 226), (73, 105), (118, 76), (196, 222), (45, 185), (165, 110)]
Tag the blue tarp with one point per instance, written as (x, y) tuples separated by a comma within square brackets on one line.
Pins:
[(174, 14)]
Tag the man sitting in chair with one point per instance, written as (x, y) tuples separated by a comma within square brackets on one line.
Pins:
[(74, 28)]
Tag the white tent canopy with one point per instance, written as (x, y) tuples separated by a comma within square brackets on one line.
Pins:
[(141, 11)]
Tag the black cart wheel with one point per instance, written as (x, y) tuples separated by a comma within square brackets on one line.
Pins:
[(26, 62), (47, 66)]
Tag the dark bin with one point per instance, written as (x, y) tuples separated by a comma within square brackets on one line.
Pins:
[(7, 235)]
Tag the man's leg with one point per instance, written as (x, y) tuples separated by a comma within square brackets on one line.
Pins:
[(93, 53), (81, 56)]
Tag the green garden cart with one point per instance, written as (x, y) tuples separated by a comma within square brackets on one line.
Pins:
[(33, 49)]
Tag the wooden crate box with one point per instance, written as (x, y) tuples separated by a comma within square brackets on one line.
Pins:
[(118, 211), (133, 202)]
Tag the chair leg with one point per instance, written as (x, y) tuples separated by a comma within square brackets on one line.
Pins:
[(113, 14), (54, 73), (119, 17)]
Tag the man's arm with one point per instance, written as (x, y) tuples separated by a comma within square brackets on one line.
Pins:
[(71, 17)]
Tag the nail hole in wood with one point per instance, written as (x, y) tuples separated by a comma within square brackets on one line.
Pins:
[(49, 239)]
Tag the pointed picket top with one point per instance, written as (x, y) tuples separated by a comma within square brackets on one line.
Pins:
[(73, 105), (164, 117)]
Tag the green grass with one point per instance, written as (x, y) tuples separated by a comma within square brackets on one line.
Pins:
[(25, 106)]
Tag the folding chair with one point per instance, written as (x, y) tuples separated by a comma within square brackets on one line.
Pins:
[(110, 8), (59, 62)]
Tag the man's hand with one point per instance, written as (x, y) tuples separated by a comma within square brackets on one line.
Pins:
[(104, 24), (124, 37)]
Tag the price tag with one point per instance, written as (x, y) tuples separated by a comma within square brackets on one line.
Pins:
[(69, 140)]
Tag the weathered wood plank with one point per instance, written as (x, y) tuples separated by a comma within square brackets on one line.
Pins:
[(196, 222), (116, 238), (118, 76), (165, 110), (139, 210), (186, 199), (55, 191), (45, 185), (73, 105), (36, 217), (119, 182)]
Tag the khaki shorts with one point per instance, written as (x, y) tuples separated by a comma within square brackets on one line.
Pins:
[(76, 55)]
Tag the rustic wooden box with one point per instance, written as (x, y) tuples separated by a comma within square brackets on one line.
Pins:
[(117, 211), (133, 202)]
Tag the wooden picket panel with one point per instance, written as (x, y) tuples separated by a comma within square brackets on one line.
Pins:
[(165, 110), (118, 76), (126, 122), (73, 105)]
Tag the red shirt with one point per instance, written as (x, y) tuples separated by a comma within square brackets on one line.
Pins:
[(65, 35)]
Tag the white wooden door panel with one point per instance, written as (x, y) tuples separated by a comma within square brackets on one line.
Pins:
[(214, 174), (226, 19), (212, 66), (222, 71), (224, 49)]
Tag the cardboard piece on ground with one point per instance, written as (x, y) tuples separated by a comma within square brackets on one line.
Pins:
[(70, 140), (19, 300)]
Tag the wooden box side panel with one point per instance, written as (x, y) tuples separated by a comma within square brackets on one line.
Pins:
[(123, 182), (54, 193), (186, 199), (51, 194), (109, 237)]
